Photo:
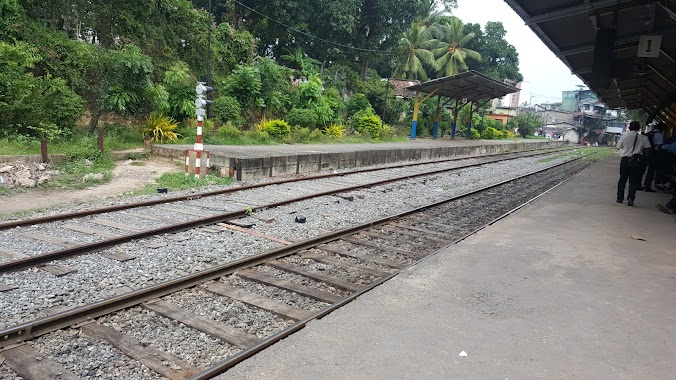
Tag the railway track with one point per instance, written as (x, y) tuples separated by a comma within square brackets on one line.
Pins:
[(46, 239), (236, 309)]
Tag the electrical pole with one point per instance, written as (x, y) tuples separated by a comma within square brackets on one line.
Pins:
[(209, 45)]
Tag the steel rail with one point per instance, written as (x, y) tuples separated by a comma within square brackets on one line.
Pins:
[(31, 261), (231, 361), (103, 210), (38, 327)]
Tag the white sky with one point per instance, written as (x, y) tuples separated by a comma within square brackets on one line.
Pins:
[(545, 76)]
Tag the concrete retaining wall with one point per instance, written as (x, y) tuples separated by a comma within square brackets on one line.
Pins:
[(249, 168)]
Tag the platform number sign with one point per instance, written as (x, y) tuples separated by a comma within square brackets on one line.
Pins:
[(649, 46)]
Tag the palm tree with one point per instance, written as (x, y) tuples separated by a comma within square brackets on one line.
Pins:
[(415, 45), (452, 54)]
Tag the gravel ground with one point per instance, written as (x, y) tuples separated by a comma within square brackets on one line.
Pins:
[(90, 358), (281, 295), (8, 374), (298, 279), (352, 260), (167, 335), (361, 279), (250, 320), (98, 277)]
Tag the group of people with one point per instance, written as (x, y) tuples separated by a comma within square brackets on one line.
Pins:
[(650, 155)]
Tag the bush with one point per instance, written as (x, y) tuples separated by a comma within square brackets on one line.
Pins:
[(277, 129), (365, 112), (228, 131), (226, 109), (387, 131), (357, 103), (316, 135), (335, 131), (371, 125), (491, 133), (302, 117), (474, 134), (302, 135)]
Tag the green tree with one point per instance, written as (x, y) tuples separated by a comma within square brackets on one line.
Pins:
[(415, 45), (452, 54), (526, 123), (499, 59)]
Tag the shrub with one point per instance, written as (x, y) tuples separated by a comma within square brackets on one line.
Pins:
[(365, 112), (302, 117), (277, 129), (491, 133), (227, 109), (335, 131), (228, 131), (371, 125), (387, 131), (302, 135), (160, 127), (316, 135), (244, 84), (357, 103), (474, 134)]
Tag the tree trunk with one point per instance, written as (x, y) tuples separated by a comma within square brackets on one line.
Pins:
[(94, 122), (364, 67)]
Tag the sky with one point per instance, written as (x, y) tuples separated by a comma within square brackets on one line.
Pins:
[(545, 76)]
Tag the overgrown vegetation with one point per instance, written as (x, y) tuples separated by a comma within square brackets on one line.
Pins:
[(180, 181), (591, 154), (69, 67)]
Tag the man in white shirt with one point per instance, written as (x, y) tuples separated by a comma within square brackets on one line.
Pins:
[(631, 144)]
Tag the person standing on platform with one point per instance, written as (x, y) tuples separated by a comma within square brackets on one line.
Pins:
[(634, 147), (655, 138)]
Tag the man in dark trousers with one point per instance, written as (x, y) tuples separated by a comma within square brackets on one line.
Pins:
[(655, 138), (633, 148)]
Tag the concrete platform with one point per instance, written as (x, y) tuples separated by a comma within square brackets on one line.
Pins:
[(559, 290), (248, 162)]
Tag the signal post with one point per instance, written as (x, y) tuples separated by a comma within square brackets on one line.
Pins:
[(197, 159)]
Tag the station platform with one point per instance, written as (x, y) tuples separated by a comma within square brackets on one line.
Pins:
[(562, 289), (256, 161)]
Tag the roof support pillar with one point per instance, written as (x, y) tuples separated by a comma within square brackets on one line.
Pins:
[(437, 118), (454, 126), (416, 110)]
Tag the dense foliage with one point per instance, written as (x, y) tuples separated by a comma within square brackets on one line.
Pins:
[(293, 69)]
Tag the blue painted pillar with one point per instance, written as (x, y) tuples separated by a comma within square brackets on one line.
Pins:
[(469, 130), (416, 110)]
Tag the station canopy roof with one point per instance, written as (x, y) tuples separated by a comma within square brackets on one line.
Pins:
[(469, 85), (569, 29)]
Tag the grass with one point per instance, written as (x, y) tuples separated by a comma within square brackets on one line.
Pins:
[(180, 181), (589, 154), (73, 173)]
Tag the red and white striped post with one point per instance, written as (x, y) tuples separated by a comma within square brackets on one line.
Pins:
[(201, 102)]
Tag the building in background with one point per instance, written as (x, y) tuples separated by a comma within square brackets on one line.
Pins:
[(514, 97), (502, 114)]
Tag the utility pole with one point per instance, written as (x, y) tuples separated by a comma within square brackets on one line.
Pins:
[(209, 45)]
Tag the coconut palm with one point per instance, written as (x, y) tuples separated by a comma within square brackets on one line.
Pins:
[(452, 54), (415, 45)]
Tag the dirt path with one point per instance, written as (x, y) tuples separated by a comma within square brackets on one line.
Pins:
[(125, 178)]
